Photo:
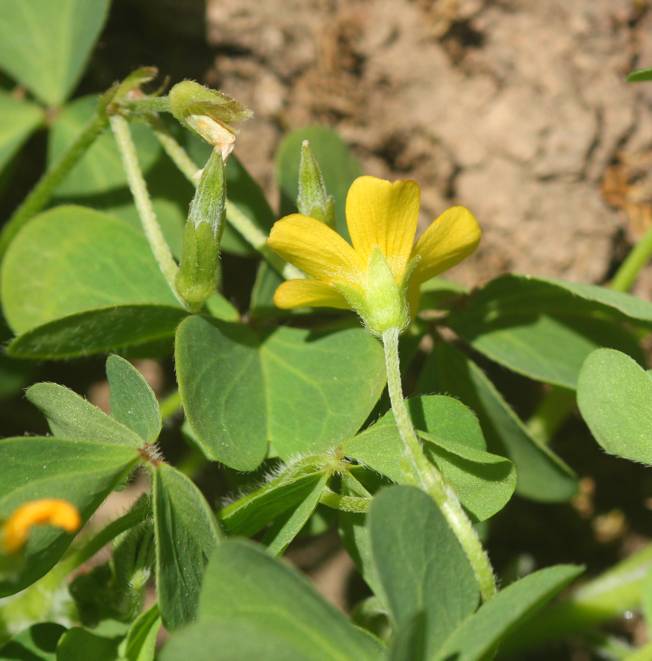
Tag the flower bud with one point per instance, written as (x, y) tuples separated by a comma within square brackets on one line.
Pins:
[(209, 113), (313, 199), (197, 276)]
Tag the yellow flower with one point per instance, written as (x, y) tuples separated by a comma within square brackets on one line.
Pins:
[(379, 275), (51, 511)]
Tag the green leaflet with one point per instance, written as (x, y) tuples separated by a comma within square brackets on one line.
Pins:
[(18, 119), (37, 643), (545, 329), (45, 45), (133, 403), (495, 619), (252, 512), (614, 395), (71, 416), (285, 530), (75, 281), (79, 644), (186, 535), (639, 76), (140, 643), (302, 391), (255, 607), (484, 482), (81, 471), (422, 569), (541, 474)]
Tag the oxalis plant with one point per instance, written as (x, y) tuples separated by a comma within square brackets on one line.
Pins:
[(295, 405)]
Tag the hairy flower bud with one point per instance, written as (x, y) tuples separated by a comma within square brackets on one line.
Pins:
[(313, 200), (197, 276), (209, 113)]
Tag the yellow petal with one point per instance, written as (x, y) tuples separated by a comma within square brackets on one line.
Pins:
[(51, 511), (449, 239), (314, 248), (308, 294), (383, 214)]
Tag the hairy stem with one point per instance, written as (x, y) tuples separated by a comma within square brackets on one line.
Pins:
[(42, 192), (428, 477), (170, 405), (143, 202)]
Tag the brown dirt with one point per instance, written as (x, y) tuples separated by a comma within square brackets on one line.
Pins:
[(517, 109)]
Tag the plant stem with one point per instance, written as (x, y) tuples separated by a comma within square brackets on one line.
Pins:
[(170, 405), (143, 202), (638, 257), (607, 597), (555, 406), (178, 155), (249, 231), (428, 477), (42, 192)]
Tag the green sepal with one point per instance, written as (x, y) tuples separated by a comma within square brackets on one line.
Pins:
[(209, 203), (382, 303), (313, 199)]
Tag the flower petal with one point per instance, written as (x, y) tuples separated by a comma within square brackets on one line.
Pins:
[(308, 294), (449, 239), (383, 214), (315, 248)]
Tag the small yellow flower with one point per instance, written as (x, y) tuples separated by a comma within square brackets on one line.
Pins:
[(50, 511), (379, 275)]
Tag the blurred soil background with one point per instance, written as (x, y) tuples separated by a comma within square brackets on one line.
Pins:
[(515, 108)]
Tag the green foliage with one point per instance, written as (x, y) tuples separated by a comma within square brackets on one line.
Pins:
[(19, 119), (44, 45), (481, 634), (133, 402), (255, 607), (425, 577), (82, 472), (78, 644), (484, 482), (186, 534), (545, 329), (541, 474), (102, 290), (639, 76), (72, 417), (282, 412), (100, 169), (614, 395), (36, 643), (310, 390)]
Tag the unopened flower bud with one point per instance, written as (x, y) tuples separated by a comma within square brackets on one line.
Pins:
[(197, 276), (209, 113), (313, 200)]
